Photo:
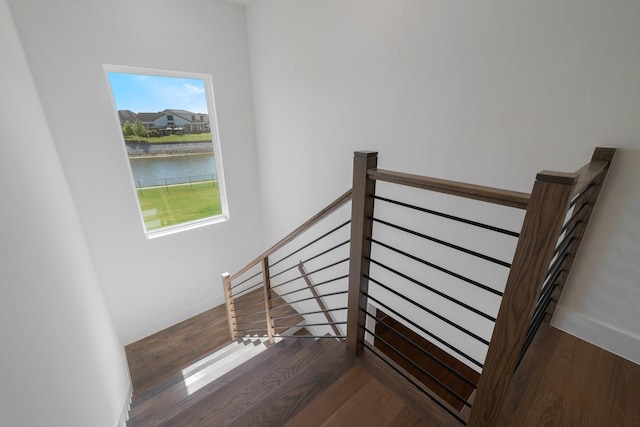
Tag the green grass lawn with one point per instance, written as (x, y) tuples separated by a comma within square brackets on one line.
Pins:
[(191, 137), (182, 203)]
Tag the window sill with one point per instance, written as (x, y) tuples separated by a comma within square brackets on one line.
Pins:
[(178, 228)]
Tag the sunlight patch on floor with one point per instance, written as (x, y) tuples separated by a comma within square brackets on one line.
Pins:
[(215, 365)]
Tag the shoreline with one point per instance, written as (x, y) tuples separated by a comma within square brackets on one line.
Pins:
[(167, 149), (208, 141), (155, 156)]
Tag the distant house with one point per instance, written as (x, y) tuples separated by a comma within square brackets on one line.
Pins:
[(168, 121), (125, 115)]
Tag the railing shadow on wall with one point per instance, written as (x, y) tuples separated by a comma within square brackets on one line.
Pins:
[(442, 285)]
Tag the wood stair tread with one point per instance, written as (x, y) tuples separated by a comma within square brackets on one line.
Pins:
[(288, 399), (161, 354), (254, 388), (173, 398), (270, 388)]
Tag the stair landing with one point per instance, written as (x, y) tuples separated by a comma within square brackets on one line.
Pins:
[(566, 381), (303, 382), (179, 382)]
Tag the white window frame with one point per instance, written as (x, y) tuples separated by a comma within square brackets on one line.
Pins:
[(215, 140)]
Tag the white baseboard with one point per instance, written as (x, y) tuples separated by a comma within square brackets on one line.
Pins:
[(614, 340), (126, 406), (128, 397), (143, 332)]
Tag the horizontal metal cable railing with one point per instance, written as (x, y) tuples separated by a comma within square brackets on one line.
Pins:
[(425, 284), (311, 276), (432, 296), (297, 286), (455, 291)]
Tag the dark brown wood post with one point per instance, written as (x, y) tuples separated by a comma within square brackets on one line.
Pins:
[(228, 302), (540, 229), (267, 299), (361, 228)]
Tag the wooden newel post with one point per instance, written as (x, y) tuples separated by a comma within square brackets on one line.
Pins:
[(361, 228), (228, 301), (267, 299), (540, 229)]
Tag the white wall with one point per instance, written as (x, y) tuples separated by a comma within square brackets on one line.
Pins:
[(148, 284), (61, 362), (488, 92)]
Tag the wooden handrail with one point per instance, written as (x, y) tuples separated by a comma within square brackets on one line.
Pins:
[(344, 198), (498, 196), (587, 174), (594, 171), (591, 174)]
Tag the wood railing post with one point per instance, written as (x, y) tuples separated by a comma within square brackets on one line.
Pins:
[(360, 250), (267, 299), (228, 302), (542, 223)]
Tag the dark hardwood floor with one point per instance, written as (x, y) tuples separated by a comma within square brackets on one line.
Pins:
[(297, 381), (565, 381), (179, 381), (356, 399), (158, 359)]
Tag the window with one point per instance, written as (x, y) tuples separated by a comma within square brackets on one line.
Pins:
[(176, 173)]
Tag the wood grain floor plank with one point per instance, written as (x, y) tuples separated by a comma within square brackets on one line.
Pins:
[(564, 380), (325, 405), (425, 407), (176, 400), (160, 355), (408, 418), (373, 404), (231, 401), (155, 362), (285, 402)]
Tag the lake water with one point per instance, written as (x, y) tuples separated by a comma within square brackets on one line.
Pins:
[(175, 169)]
